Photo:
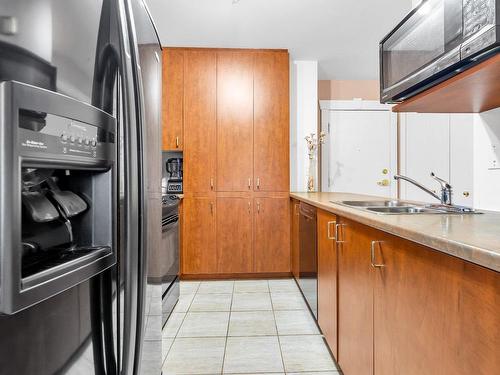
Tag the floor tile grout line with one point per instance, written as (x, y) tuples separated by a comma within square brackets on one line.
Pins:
[(180, 325), (227, 330), (277, 333)]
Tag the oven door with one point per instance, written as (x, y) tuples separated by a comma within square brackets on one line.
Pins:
[(424, 45), (170, 264)]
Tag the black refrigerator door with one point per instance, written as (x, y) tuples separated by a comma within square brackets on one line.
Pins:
[(147, 57), (80, 49)]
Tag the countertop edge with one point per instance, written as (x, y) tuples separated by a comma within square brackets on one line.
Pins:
[(479, 256)]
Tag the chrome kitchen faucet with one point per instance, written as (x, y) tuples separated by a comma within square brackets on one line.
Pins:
[(446, 189)]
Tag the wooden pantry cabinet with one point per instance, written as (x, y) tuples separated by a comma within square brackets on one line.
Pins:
[(200, 100), (173, 99), (271, 121), (271, 234), (235, 146), (234, 235), (199, 250), (235, 139)]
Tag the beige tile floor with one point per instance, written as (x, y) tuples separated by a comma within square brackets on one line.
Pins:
[(243, 327)]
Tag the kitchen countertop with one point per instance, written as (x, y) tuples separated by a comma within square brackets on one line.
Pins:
[(475, 238)]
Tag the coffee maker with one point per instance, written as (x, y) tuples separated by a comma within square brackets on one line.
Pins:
[(174, 179)]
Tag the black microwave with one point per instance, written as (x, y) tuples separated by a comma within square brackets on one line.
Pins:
[(435, 41)]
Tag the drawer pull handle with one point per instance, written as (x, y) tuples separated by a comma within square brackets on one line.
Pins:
[(372, 253), (329, 226), (337, 237)]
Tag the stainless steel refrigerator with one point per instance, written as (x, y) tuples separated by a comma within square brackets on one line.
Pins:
[(74, 99)]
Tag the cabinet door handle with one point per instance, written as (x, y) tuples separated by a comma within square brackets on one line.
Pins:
[(177, 142), (249, 207), (212, 208), (258, 182), (211, 183), (249, 183), (258, 207), (296, 205), (329, 226), (372, 254), (337, 238)]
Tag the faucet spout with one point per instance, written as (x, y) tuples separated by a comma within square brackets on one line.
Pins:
[(420, 186)]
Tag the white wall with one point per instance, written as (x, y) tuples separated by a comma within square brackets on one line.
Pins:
[(303, 119), (462, 148), (487, 160)]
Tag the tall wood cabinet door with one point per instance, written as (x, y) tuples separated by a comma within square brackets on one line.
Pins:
[(199, 246), (271, 122), (173, 98), (272, 235), (294, 236), (327, 278), (434, 314), (234, 121), (199, 121), (355, 298), (234, 235)]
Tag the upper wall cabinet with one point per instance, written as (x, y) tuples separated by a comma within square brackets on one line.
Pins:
[(173, 99), (271, 121), (200, 98), (234, 121)]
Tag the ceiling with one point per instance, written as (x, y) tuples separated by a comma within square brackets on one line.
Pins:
[(343, 35)]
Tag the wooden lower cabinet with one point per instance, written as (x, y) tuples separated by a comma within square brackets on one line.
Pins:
[(199, 254), (272, 235), (404, 308), (433, 313), (234, 235), (355, 298), (294, 237), (327, 278)]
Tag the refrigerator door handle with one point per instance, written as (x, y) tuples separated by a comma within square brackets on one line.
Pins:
[(135, 211)]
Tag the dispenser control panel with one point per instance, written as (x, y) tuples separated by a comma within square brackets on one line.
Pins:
[(56, 135)]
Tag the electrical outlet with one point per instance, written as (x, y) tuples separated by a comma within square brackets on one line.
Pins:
[(494, 162)]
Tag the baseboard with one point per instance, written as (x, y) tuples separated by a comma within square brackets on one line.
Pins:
[(237, 276)]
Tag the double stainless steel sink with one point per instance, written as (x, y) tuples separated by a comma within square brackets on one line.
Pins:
[(396, 207)]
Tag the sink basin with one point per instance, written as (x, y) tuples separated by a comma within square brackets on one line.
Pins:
[(395, 207), (388, 203), (405, 210)]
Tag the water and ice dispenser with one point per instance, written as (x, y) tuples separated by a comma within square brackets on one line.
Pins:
[(58, 194)]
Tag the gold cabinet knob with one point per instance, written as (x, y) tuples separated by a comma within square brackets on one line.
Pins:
[(385, 171), (466, 194)]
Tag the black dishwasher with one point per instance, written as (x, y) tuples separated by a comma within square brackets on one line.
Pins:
[(308, 264)]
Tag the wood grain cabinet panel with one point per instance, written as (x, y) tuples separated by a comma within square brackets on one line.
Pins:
[(271, 121), (234, 121), (327, 278), (173, 99), (434, 314), (355, 298), (234, 235), (294, 237), (272, 235), (199, 242), (199, 121)]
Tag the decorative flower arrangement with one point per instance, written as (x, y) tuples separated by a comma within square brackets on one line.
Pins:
[(312, 147)]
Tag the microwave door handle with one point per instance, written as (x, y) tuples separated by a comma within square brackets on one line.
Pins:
[(135, 261)]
